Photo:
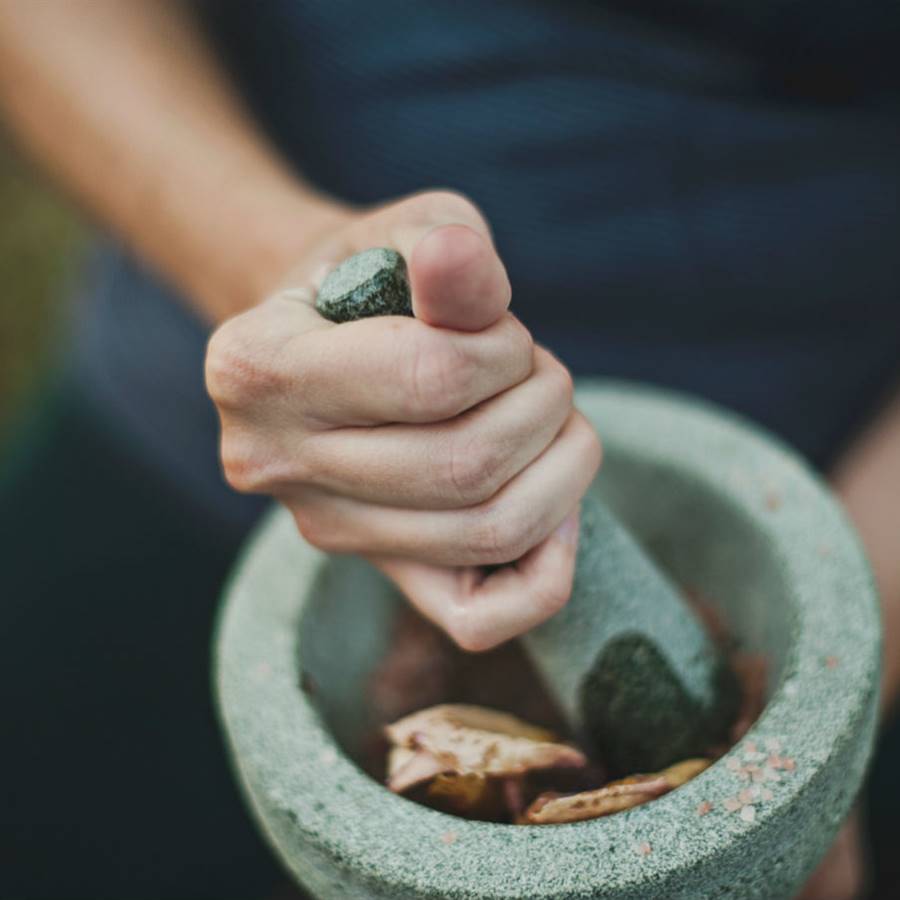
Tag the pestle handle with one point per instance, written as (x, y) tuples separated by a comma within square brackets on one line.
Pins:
[(627, 661)]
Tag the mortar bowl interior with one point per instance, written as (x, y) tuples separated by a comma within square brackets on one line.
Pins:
[(735, 519)]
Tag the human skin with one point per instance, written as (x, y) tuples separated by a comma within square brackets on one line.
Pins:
[(432, 445), (460, 450)]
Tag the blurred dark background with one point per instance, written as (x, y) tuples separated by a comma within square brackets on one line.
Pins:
[(40, 239)]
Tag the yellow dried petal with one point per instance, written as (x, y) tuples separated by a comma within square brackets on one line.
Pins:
[(684, 771), (475, 796)]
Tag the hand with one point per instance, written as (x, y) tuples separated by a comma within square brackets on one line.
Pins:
[(432, 446), (841, 875)]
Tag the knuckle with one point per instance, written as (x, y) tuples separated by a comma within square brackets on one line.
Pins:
[(474, 470), (239, 370), (552, 597), (563, 383), (311, 462), (593, 447), (218, 368), (557, 379), (521, 336), (438, 377), (316, 530), (503, 535), (241, 464), (467, 630), (253, 465), (520, 349)]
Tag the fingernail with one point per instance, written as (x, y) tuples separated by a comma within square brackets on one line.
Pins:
[(567, 531)]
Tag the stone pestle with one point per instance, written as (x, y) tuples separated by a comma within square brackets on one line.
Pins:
[(627, 661)]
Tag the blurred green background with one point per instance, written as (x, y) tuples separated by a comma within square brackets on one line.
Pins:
[(40, 236)]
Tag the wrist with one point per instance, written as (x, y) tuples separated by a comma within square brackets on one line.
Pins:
[(275, 227)]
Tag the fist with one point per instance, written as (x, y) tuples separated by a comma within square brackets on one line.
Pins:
[(434, 445)]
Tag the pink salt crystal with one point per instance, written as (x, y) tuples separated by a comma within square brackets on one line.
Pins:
[(643, 849), (750, 747), (448, 838), (733, 764), (263, 670), (788, 763), (766, 794), (704, 807), (831, 662), (732, 804), (746, 796), (748, 813)]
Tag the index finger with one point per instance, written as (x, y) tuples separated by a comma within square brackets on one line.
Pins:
[(397, 369)]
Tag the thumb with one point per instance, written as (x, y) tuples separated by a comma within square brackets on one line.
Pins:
[(457, 279), (456, 276)]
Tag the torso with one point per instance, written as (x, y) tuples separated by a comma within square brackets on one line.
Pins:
[(711, 204)]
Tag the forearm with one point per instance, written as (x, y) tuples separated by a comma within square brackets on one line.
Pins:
[(124, 103), (868, 481)]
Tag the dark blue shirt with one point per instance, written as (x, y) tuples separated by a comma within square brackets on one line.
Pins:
[(706, 199)]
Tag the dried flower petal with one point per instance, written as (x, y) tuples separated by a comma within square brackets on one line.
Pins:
[(398, 757), (470, 739), (407, 768), (471, 795), (552, 809), (682, 772), (466, 716)]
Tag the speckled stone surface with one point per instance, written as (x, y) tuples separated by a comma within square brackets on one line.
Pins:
[(629, 665), (627, 661), (726, 512), (371, 283)]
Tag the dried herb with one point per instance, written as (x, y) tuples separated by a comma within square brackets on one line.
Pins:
[(554, 809), (458, 739), (475, 762)]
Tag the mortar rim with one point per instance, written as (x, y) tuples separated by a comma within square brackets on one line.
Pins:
[(632, 407)]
